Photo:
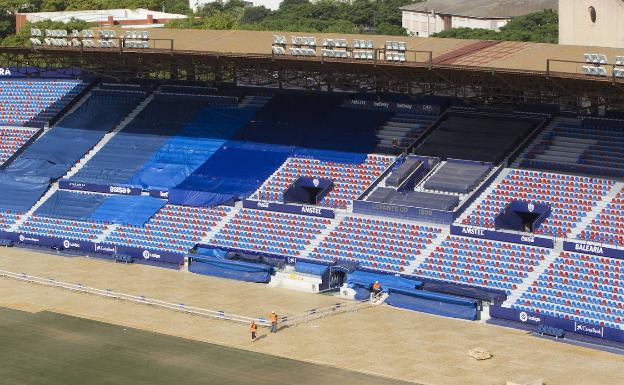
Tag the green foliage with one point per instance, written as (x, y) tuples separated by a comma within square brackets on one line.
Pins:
[(330, 16), (540, 27), (21, 38)]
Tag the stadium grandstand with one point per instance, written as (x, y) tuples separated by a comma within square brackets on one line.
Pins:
[(472, 183)]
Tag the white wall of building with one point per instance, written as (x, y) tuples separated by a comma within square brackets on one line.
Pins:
[(577, 28), (423, 24)]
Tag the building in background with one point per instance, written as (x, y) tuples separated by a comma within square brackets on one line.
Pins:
[(139, 17), (591, 23), (433, 16)]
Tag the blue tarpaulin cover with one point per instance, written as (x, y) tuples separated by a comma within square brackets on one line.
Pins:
[(235, 171), (195, 143), (21, 193), (133, 210), (310, 268), (366, 279), (433, 303), (71, 205), (211, 252), (223, 268), (63, 145)]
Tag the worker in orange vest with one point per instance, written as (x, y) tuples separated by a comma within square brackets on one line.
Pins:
[(376, 289), (254, 328), (273, 322)]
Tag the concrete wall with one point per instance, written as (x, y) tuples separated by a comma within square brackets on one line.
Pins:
[(577, 28), (423, 24)]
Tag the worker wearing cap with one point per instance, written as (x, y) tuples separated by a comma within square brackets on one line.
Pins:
[(254, 329), (273, 322), (376, 289)]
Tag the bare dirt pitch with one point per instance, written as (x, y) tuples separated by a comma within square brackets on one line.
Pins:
[(383, 341)]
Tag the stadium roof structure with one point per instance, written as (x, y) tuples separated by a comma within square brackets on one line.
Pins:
[(489, 70), (483, 9)]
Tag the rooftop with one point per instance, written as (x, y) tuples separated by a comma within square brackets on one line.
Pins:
[(484, 9)]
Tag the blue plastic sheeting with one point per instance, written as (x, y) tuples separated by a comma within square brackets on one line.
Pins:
[(310, 268), (54, 153), (361, 293), (492, 295), (191, 147), (240, 271), (63, 145), (128, 209), (296, 120), (71, 205), (126, 152), (211, 252), (433, 303), (21, 193), (366, 279), (256, 258), (233, 172)]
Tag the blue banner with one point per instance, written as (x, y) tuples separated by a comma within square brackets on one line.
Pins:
[(162, 194), (66, 184), (593, 249), (91, 247), (527, 317), (426, 109), (476, 232), (313, 211), (150, 254), (404, 212), (30, 71), (54, 242)]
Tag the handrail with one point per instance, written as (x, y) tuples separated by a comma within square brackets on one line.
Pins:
[(307, 316)]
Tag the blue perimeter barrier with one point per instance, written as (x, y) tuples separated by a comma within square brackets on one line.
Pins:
[(102, 250), (223, 268), (530, 318), (434, 303)]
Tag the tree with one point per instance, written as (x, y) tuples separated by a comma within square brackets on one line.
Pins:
[(254, 14), (540, 27), (291, 3)]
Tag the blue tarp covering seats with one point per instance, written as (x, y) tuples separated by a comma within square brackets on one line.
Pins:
[(477, 136), (133, 210), (235, 171), (125, 154), (196, 141), (20, 193), (294, 120), (241, 271), (366, 280), (63, 145), (311, 268), (434, 303), (457, 177), (71, 205)]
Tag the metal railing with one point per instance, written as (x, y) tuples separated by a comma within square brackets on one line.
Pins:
[(108, 293), (284, 321)]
